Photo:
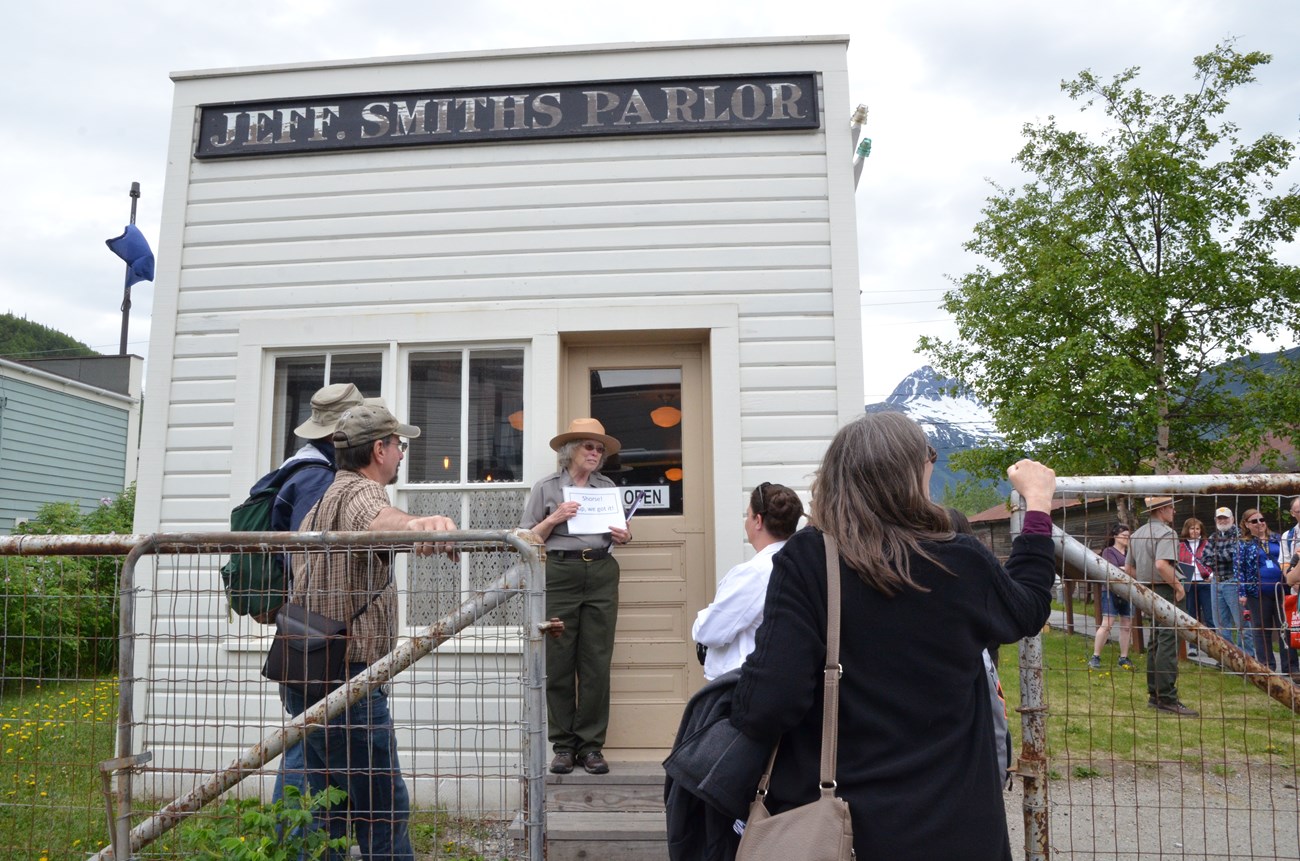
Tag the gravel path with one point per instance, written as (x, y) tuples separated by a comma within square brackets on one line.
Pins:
[(1169, 811)]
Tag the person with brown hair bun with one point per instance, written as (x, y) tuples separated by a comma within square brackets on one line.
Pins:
[(727, 626)]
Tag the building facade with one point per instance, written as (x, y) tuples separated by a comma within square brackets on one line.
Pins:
[(659, 235)]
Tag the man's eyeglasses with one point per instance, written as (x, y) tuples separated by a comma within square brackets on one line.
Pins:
[(931, 456), (758, 500), (594, 446), (402, 445)]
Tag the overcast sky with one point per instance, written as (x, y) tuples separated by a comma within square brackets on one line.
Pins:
[(86, 100)]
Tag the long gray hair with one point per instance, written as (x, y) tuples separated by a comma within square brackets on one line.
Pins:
[(870, 496)]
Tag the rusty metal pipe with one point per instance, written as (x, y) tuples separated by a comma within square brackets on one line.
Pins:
[(1267, 484), (227, 542)]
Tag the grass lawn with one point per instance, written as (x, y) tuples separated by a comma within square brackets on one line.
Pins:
[(1096, 716), (51, 739)]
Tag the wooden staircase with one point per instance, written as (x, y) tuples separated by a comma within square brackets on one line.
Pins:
[(609, 817)]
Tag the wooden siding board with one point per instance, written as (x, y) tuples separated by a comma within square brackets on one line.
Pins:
[(515, 177), (442, 244), (497, 221)]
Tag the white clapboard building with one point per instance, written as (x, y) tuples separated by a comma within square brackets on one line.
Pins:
[(659, 235)]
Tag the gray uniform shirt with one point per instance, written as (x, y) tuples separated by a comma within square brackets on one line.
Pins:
[(1155, 540), (546, 496)]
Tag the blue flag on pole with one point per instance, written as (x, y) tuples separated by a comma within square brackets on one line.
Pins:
[(132, 247)]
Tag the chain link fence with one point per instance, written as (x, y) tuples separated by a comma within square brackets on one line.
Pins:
[(1107, 775), (133, 711)]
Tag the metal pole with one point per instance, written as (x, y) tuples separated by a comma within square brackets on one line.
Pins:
[(126, 280), (535, 704), (1032, 765)]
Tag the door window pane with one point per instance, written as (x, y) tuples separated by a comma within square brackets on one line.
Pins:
[(642, 409)]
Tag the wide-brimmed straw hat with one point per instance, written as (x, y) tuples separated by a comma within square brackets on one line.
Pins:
[(1154, 502), (587, 429), (326, 406)]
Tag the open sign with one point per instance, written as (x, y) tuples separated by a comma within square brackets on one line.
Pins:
[(652, 496)]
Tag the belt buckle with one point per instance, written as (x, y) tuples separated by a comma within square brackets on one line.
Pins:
[(585, 557)]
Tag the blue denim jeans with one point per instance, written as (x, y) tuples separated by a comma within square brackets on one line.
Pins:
[(357, 752), (1228, 618)]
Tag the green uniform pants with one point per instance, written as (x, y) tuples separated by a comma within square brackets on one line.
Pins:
[(585, 596), (1162, 654)]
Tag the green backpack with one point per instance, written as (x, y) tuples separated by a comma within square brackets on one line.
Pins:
[(255, 582)]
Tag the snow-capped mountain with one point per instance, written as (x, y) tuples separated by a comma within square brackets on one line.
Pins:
[(954, 422)]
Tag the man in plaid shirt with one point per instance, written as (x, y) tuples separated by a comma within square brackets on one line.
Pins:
[(357, 751), (1222, 548)]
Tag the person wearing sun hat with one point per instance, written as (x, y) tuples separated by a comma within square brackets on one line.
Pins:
[(582, 591), (357, 751), (303, 479), (1153, 561)]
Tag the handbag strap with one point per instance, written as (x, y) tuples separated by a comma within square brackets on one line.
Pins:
[(830, 679), (833, 671)]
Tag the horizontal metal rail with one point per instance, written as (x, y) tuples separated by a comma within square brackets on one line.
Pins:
[(1229, 484), (226, 542)]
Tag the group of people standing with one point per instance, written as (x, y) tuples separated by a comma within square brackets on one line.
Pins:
[(1232, 580)]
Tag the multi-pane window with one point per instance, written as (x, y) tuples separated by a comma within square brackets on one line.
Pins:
[(469, 405), (297, 378)]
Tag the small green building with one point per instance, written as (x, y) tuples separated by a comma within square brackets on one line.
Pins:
[(69, 431)]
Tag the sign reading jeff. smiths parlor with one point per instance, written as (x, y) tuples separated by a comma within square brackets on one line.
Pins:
[(777, 102)]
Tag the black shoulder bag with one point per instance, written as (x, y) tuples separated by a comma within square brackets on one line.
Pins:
[(309, 652)]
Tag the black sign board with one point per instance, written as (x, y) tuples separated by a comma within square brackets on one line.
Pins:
[(774, 102)]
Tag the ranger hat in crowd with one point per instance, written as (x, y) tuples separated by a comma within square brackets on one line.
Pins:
[(1222, 512), (1154, 502), (366, 423), (326, 407), (587, 429)]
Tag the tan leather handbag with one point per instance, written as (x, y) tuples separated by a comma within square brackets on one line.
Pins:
[(821, 830)]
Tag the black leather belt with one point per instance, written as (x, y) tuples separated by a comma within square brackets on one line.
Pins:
[(586, 555)]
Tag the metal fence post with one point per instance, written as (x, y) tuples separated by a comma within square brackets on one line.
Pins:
[(1032, 764), (535, 701)]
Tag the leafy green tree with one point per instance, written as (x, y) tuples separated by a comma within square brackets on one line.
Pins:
[(971, 496), (1122, 275), (22, 339)]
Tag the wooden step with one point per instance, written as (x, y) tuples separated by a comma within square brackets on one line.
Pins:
[(630, 787), (606, 837)]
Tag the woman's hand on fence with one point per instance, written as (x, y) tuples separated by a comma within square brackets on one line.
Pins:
[(1034, 482)]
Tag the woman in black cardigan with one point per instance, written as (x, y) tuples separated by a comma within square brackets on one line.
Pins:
[(920, 603)]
